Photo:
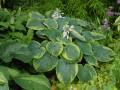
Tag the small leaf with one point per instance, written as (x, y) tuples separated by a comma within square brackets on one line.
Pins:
[(117, 21), (4, 24), (54, 48), (45, 63), (71, 52), (118, 27), (86, 73), (35, 24), (50, 23), (66, 72), (102, 53), (29, 37), (20, 27), (33, 82), (85, 47), (2, 79)]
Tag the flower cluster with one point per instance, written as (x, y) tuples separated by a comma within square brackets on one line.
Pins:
[(105, 24), (66, 30), (118, 1), (110, 11), (57, 14)]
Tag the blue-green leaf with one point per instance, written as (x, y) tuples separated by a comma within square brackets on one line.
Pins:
[(50, 23), (33, 82), (86, 73), (85, 47), (7, 50), (92, 35), (45, 63), (66, 72), (71, 52), (54, 48), (52, 34), (91, 60), (35, 24), (78, 36), (102, 53), (36, 49), (36, 15)]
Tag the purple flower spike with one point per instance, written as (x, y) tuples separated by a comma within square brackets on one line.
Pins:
[(110, 13), (118, 1)]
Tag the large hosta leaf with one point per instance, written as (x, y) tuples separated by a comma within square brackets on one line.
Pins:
[(35, 24), (66, 72), (24, 54), (44, 43), (78, 36), (71, 52), (7, 49), (45, 63), (9, 73), (36, 49), (3, 82), (85, 47), (91, 60), (54, 48), (79, 22), (51, 23), (33, 82), (78, 29), (92, 35), (86, 73), (36, 15), (62, 22), (52, 34), (102, 53)]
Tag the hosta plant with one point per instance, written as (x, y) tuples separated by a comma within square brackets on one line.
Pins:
[(65, 45)]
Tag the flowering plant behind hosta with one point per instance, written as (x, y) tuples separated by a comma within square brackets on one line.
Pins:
[(66, 45)]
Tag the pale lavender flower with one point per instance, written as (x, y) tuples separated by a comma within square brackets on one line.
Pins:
[(105, 24), (57, 14), (66, 30), (65, 34), (110, 11), (118, 1)]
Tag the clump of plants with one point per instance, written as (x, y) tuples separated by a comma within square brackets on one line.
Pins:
[(40, 45)]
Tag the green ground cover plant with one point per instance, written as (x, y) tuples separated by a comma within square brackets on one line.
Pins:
[(36, 49)]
